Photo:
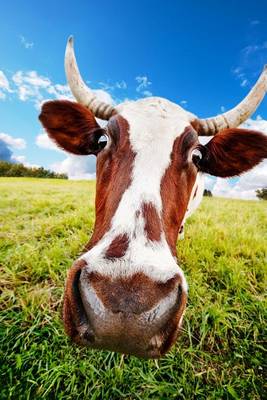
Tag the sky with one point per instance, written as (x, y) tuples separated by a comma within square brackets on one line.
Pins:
[(202, 55)]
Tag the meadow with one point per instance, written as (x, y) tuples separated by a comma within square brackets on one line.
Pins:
[(221, 353)]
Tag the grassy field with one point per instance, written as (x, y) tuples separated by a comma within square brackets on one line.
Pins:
[(220, 355)]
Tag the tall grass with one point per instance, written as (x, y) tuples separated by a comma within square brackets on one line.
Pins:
[(221, 353)]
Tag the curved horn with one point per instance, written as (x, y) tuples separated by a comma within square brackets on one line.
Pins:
[(238, 114), (80, 91)]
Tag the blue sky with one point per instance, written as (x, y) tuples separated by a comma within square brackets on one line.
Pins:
[(204, 55)]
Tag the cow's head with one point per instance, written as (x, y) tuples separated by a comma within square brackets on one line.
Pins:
[(126, 292)]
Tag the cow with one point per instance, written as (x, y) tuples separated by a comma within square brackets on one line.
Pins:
[(126, 292)]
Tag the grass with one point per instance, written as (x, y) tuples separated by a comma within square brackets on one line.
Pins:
[(220, 355)]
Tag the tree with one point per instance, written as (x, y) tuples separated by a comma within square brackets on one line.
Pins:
[(207, 193), (14, 169), (262, 193)]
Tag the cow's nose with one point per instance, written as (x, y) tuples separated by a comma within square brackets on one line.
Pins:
[(133, 315), (136, 294)]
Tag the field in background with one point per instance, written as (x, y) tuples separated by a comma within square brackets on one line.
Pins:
[(220, 355)]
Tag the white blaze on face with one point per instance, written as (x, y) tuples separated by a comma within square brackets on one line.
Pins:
[(154, 124), (196, 195), (195, 200)]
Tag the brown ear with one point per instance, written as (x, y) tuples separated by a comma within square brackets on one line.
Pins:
[(233, 151), (72, 126)]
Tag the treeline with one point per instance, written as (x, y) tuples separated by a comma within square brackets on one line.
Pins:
[(207, 193), (262, 193), (12, 169)]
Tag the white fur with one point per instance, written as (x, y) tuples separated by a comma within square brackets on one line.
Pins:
[(161, 308), (91, 298), (154, 124), (194, 202)]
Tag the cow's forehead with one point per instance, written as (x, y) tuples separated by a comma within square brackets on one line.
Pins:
[(155, 113), (154, 125)]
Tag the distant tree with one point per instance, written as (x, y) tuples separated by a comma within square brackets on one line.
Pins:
[(262, 193), (207, 193), (14, 169)]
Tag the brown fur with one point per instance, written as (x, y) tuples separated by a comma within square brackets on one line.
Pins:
[(152, 222), (232, 152), (73, 314), (72, 126), (176, 186), (118, 247), (135, 294), (114, 170)]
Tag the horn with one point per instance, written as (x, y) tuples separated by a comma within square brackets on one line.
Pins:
[(238, 114), (80, 90)]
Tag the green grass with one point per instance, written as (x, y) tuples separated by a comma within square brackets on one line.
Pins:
[(220, 355)]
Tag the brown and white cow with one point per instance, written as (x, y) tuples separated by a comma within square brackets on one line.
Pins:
[(126, 292)]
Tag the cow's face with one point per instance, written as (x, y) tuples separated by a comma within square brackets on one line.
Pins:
[(126, 292)]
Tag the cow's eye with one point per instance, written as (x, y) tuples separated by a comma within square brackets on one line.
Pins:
[(196, 156), (196, 153), (102, 141)]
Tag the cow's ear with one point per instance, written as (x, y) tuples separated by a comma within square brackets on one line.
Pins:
[(72, 126), (231, 152)]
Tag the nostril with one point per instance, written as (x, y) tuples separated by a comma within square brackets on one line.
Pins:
[(89, 336), (116, 311)]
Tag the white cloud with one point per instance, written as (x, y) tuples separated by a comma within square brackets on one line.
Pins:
[(251, 49), (147, 93), (209, 181), (4, 85), (241, 76), (143, 85), (111, 86), (102, 95), (244, 82), (7, 145), (25, 42), (33, 87), (121, 85), (245, 187), (43, 140), (76, 167), (60, 91), (31, 78), (258, 124), (29, 85), (16, 143), (251, 57), (22, 160)]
